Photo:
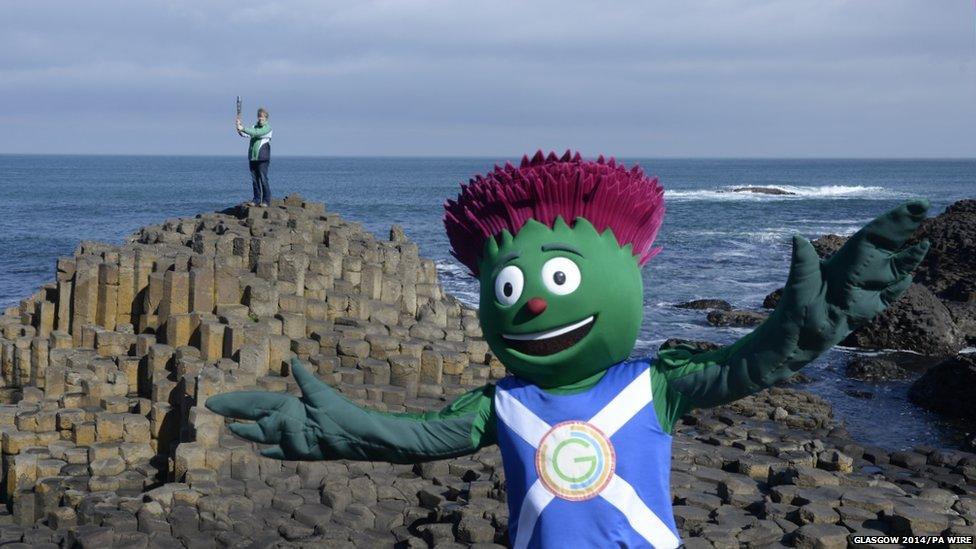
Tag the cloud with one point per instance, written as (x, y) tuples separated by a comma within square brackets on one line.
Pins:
[(635, 78)]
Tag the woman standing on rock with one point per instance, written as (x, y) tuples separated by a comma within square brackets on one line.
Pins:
[(259, 156)]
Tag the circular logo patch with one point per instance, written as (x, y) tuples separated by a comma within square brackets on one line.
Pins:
[(575, 460)]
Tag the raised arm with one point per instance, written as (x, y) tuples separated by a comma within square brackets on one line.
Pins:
[(324, 425), (256, 131), (822, 302)]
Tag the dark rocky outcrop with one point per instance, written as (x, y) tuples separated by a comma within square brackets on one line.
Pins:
[(763, 190), (772, 299), (947, 388), (964, 315), (918, 322), (736, 318), (705, 304), (937, 315), (924, 319), (870, 368), (828, 244), (949, 268)]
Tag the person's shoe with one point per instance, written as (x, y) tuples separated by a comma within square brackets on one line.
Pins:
[(249, 204), (266, 205)]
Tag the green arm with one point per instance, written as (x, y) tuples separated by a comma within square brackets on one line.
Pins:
[(822, 302), (324, 425), (257, 131)]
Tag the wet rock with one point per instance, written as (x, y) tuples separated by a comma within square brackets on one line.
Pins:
[(705, 305), (964, 315), (870, 368), (828, 244), (949, 267), (947, 388), (736, 318), (772, 299), (763, 190), (918, 322)]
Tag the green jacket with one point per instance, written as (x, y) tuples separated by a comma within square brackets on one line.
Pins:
[(260, 146)]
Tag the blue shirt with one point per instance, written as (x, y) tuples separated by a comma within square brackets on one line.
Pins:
[(590, 469)]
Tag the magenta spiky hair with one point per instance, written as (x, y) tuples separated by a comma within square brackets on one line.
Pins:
[(605, 193)]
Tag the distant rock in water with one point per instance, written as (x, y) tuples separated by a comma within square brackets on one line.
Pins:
[(918, 322), (949, 268), (736, 318), (705, 304), (947, 388), (859, 393), (762, 190), (772, 299), (870, 368), (692, 345)]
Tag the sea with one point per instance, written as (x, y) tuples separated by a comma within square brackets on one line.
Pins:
[(717, 243)]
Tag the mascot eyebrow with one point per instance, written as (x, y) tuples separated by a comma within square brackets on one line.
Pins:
[(561, 247)]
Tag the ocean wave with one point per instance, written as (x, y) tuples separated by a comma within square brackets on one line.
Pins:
[(799, 192), (857, 222)]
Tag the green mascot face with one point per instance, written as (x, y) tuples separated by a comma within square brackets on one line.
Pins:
[(562, 304)]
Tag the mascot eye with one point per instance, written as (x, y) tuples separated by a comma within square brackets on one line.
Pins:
[(561, 276), (509, 284)]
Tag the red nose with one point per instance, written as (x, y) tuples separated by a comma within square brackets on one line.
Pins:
[(536, 305)]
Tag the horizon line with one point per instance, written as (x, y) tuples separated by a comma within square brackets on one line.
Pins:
[(493, 157)]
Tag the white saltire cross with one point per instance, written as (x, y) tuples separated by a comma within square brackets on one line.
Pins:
[(618, 492)]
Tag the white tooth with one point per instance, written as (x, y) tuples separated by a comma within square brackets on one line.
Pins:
[(549, 333)]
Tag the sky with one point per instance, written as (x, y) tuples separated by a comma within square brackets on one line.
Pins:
[(633, 78)]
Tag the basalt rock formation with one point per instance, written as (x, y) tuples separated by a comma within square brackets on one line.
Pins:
[(105, 370)]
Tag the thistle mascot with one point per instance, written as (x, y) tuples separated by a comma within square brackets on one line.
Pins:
[(557, 244)]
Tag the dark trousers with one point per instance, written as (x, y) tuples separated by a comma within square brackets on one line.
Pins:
[(259, 179)]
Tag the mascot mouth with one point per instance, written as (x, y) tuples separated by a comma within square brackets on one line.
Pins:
[(552, 341)]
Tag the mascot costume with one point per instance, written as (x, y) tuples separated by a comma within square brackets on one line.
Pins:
[(584, 431)]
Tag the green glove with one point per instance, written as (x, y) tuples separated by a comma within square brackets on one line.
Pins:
[(322, 424), (822, 302), (831, 298)]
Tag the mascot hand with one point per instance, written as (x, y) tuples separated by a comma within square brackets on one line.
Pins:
[(829, 299), (296, 426)]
